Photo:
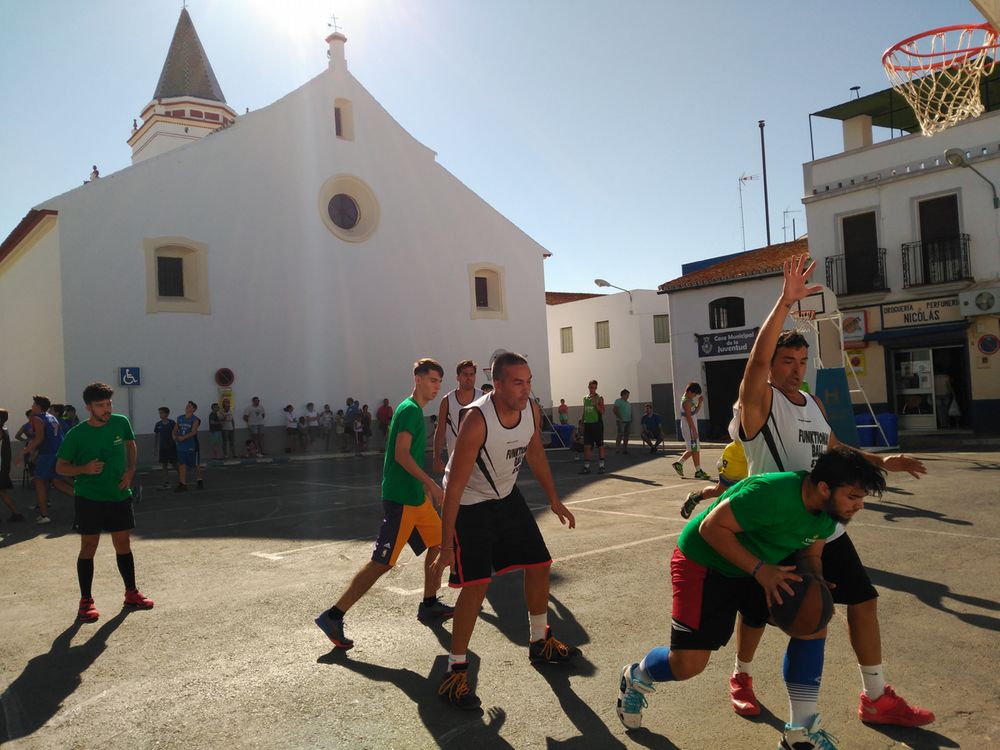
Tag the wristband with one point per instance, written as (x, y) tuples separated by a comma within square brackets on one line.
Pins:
[(760, 564)]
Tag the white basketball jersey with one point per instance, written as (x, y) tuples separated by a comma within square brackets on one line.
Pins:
[(452, 417), (500, 456), (792, 438)]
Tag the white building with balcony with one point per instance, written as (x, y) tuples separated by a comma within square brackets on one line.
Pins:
[(621, 340), (910, 244)]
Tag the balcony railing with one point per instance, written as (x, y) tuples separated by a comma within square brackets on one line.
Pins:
[(936, 262), (859, 275)]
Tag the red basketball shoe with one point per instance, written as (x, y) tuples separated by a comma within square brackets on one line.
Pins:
[(137, 600), (88, 612), (889, 708), (741, 695)]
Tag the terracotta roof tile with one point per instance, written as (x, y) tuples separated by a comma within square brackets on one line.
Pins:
[(764, 261), (561, 298)]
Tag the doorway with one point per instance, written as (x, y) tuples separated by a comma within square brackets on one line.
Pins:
[(930, 387), (722, 383)]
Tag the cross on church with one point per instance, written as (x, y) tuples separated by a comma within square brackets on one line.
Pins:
[(334, 24)]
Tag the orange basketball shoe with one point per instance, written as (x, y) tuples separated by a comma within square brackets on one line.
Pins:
[(741, 695), (889, 708)]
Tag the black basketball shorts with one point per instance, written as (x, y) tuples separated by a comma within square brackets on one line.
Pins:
[(842, 566)]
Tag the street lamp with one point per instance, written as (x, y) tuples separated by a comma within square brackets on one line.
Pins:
[(956, 157), (603, 283)]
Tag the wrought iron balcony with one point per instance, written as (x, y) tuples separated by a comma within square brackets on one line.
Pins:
[(936, 262), (860, 274)]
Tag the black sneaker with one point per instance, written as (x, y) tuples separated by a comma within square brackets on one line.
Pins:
[(690, 504), (201, 484), (181, 488), (15, 517), (550, 650), (454, 688), (334, 630), (436, 611)]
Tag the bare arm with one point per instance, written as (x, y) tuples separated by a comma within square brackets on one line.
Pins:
[(535, 456), (755, 393), (38, 437), (720, 528), (897, 462), (440, 436), (130, 457), (471, 435), (600, 404)]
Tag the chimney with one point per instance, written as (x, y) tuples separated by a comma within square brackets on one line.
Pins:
[(338, 61)]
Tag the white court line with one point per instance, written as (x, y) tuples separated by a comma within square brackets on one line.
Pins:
[(623, 513), (624, 494), (281, 555), (356, 488)]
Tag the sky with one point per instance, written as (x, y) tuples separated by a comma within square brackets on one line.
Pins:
[(613, 133)]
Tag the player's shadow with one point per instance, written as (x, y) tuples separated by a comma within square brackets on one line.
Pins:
[(510, 616), (935, 595), (49, 679), (593, 732), (633, 480), (894, 511), (918, 738), (450, 727)]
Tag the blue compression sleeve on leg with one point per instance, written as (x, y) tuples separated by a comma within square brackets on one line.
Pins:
[(803, 671), (657, 664)]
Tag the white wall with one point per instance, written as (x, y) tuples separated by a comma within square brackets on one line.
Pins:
[(298, 314), (31, 325), (633, 361)]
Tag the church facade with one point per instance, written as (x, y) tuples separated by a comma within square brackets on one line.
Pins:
[(313, 249)]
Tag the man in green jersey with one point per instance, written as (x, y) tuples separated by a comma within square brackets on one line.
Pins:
[(99, 455), (737, 556), (593, 427), (410, 517)]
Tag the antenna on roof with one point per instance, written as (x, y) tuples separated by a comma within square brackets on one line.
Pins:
[(742, 179), (856, 92)]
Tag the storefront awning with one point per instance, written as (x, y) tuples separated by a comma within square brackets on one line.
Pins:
[(922, 335)]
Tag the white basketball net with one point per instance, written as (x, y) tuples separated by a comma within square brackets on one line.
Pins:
[(939, 73)]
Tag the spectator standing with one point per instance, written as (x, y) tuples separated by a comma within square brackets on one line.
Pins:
[(100, 455), (163, 443), (186, 438), (384, 416), (340, 429), (291, 428), (326, 421), (6, 485), (215, 431), (312, 424), (357, 427), (593, 427), (26, 431), (563, 412), (228, 430), (366, 426), (652, 431), (41, 450), (70, 416), (255, 417), (623, 422)]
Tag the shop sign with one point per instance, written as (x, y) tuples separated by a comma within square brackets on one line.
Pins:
[(920, 312), (728, 343), (855, 325)]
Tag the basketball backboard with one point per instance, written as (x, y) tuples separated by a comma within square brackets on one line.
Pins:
[(990, 10)]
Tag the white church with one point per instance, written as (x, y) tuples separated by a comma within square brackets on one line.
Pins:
[(313, 248)]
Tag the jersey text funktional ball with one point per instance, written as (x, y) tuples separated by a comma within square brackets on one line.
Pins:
[(808, 611)]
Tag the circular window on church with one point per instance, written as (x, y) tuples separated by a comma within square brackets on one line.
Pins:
[(343, 211), (348, 207)]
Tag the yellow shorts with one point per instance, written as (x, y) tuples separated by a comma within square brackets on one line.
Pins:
[(416, 525)]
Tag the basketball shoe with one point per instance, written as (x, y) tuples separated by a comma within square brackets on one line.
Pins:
[(135, 599), (454, 688), (550, 650), (632, 693), (741, 695), (87, 612), (702, 474), (690, 504), (889, 708), (436, 611), (807, 738), (334, 630), (679, 468)]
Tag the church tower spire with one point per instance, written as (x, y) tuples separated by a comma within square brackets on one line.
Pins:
[(188, 103)]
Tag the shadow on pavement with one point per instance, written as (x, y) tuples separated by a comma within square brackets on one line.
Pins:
[(935, 594), (893, 511), (450, 727), (593, 732), (506, 597), (48, 680), (918, 738)]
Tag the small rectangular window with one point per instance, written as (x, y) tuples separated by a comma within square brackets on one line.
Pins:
[(337, 124), (603, 331), (197, 113), (482, 292), (566, 340), (170, 276), (211, 116), (661, 329)]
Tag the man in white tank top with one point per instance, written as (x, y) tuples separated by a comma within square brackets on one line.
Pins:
[(785, 429), (446, 432), (487, 526)]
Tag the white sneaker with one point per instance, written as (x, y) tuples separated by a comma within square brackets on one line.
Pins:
[(43, 519), (807, 738), (632, 694)]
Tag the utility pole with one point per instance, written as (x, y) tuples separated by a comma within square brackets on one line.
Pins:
[(763, 161), (741, 180)]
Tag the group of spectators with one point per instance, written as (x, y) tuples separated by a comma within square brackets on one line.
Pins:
[(346, 430), (584, 437)]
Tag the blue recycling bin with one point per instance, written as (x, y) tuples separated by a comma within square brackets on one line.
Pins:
[(890, 426), (867, 432), (565, 434)]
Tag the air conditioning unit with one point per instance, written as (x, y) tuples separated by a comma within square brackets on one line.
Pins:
[(980, 301)]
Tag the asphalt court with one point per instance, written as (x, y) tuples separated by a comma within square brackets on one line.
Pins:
[(230, 656)]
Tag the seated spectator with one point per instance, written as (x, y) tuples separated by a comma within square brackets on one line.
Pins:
[(652, 433)]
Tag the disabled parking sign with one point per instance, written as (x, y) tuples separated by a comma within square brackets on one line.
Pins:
[(129, 377)]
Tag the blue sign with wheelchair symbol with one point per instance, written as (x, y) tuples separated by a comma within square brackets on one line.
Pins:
[(129, 377)]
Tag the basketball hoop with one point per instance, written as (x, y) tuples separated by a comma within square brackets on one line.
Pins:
[(803, 314), (938, 72)]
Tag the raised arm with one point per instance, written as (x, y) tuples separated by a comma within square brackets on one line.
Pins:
[(755, 393)]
